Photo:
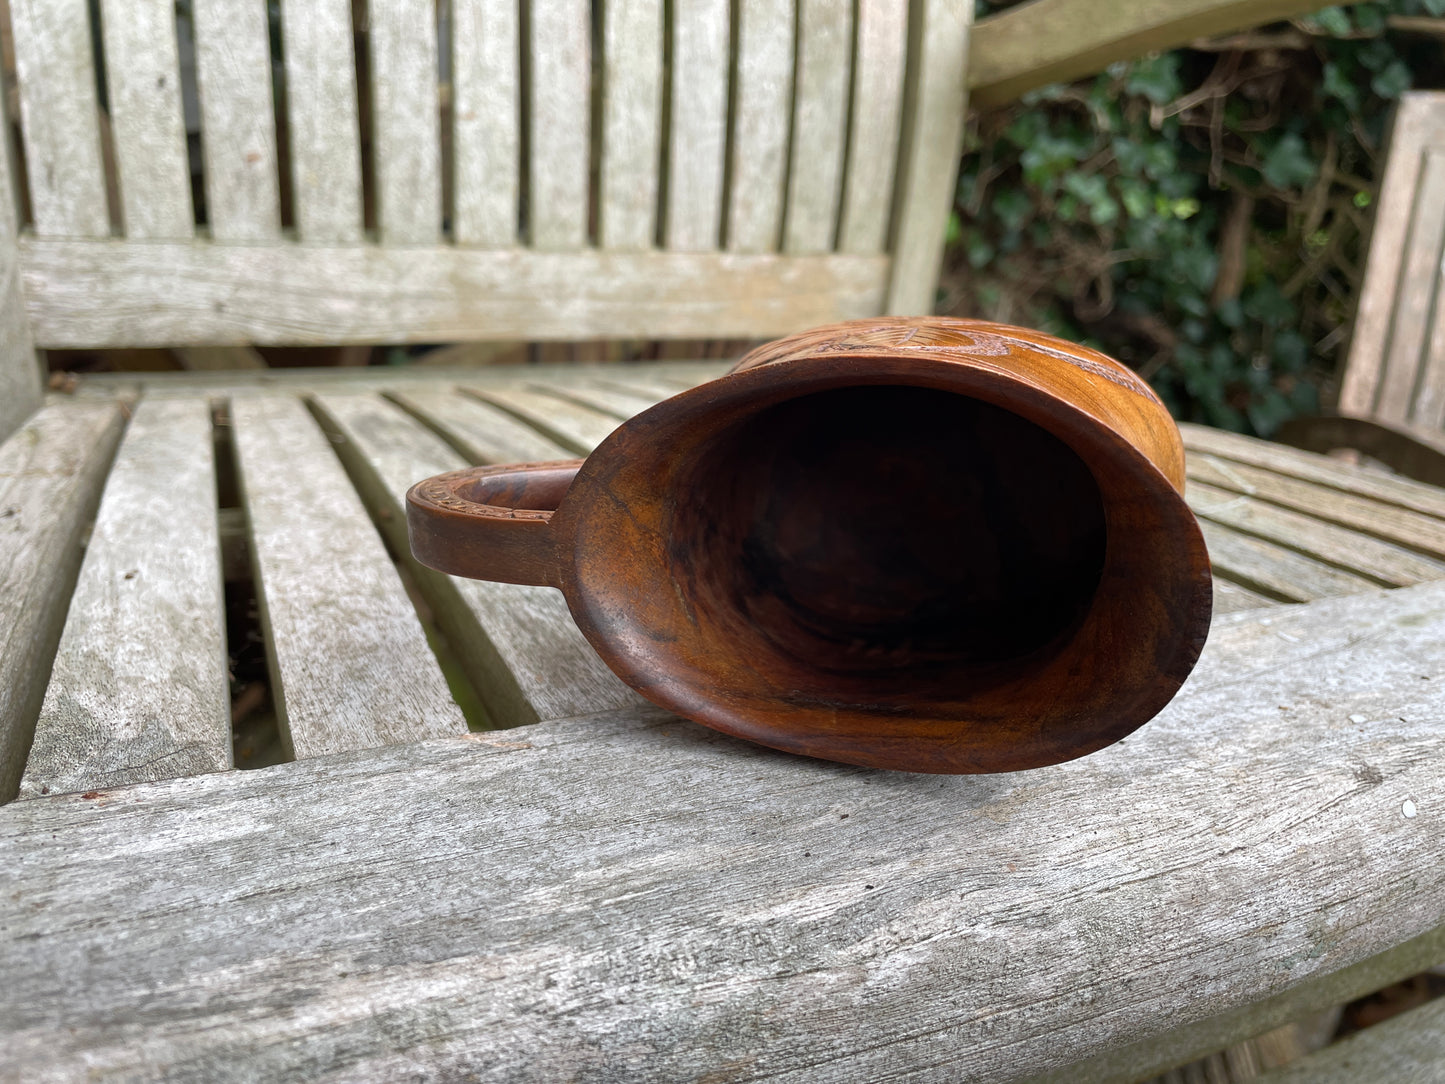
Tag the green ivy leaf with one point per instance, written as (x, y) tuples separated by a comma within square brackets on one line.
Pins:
[(1288, 163), (1156, 78), (1333, 21), (1393, 81)]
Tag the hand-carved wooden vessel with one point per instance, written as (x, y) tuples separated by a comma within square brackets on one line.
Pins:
[(926, 544)]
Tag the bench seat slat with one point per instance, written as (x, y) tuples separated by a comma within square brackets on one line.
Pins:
[(1405, 1049), (483, 433), (639, 883), (571, 425), (1274, 570), (349, 659), (1230, 597), (139, 688), (51, 472)]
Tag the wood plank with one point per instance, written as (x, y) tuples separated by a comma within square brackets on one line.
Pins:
[(631, 124), (143, 73), (644, 884), (406, 121), (321, 110), (612, 401), (1416, 292), (763, 97), (1310, 467), (19, 367), (1385, 564), (1232, 598), (1419, 123), (1425, 534), (350, 665), (51, 471), (936, 102), (238, 125), (1427, 408), (1273, 570), (59, 117), (486, 121), (139, 690), (577, 428), (1408, 1048), (223, 358), (882, 57), (1056, 41), (697, 132), (87, 294), (519, 646), (560, 124), (482, 433), (820, 125)]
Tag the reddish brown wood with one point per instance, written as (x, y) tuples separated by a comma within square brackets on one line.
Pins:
[(925, 544)]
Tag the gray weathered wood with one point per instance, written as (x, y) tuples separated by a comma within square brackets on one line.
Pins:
[(877, 113), (482, 433), (560, 123), (1275, 571), (518, 645), (321, 108), (19, 367), (697, 135), (575, 427), (1406, 1049), (664, 903), (931, 142), (144, 76), (600, 397), (763, 97), (406, 121), (59, 117), (51, 470), (486, 121), (238, 125), (139, 690), (820, 124), (350, 665), (631, 136), (1388, 565), (88, 294), (1232, 598)]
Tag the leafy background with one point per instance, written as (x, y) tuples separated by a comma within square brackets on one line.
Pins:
[(1200, 214)]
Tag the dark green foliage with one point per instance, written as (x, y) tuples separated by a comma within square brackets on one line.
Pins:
[(1199, 214)]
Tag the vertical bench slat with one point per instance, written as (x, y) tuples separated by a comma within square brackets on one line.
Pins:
[(762, 99), (1415, 291), (486, 121), (139, 687), (51, 471), (1428, 406), (631, 124), (877, 112), (143, 72), (321, 110), (519, 645), (697, 133), (820, 122), (238, 124), (932, 141), (19, 367), (484, 433), (60, 116), (560, 124), (349, 658), (406, 122)]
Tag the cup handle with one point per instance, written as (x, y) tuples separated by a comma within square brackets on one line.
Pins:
[(491, 523)]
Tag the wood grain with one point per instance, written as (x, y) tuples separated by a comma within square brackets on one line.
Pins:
[(1409, 1048), (160, 294), (1273, 570), (1232, 598), (762, 98), (820, 124), (486, 121), (481, 432), (631, 136), (577, 428), (667, 903), (406, 122), (321, 109), (697, 134), (238, 127), (560, 123), (882, 57), (139, 690), (350, 666), (58, 112), (936, 102), (144, 77), (19, 367), (51, 471)]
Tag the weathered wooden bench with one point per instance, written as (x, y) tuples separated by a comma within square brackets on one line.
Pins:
[(607, 892)]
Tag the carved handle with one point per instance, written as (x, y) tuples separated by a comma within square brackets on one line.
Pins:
[(491, 523)]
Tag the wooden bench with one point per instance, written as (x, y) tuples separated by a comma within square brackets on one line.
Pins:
[(609, 892)]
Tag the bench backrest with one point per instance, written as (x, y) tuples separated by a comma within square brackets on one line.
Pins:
[(1395, 371)]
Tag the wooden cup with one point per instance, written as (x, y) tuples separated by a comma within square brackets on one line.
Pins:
[(926, 544)]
